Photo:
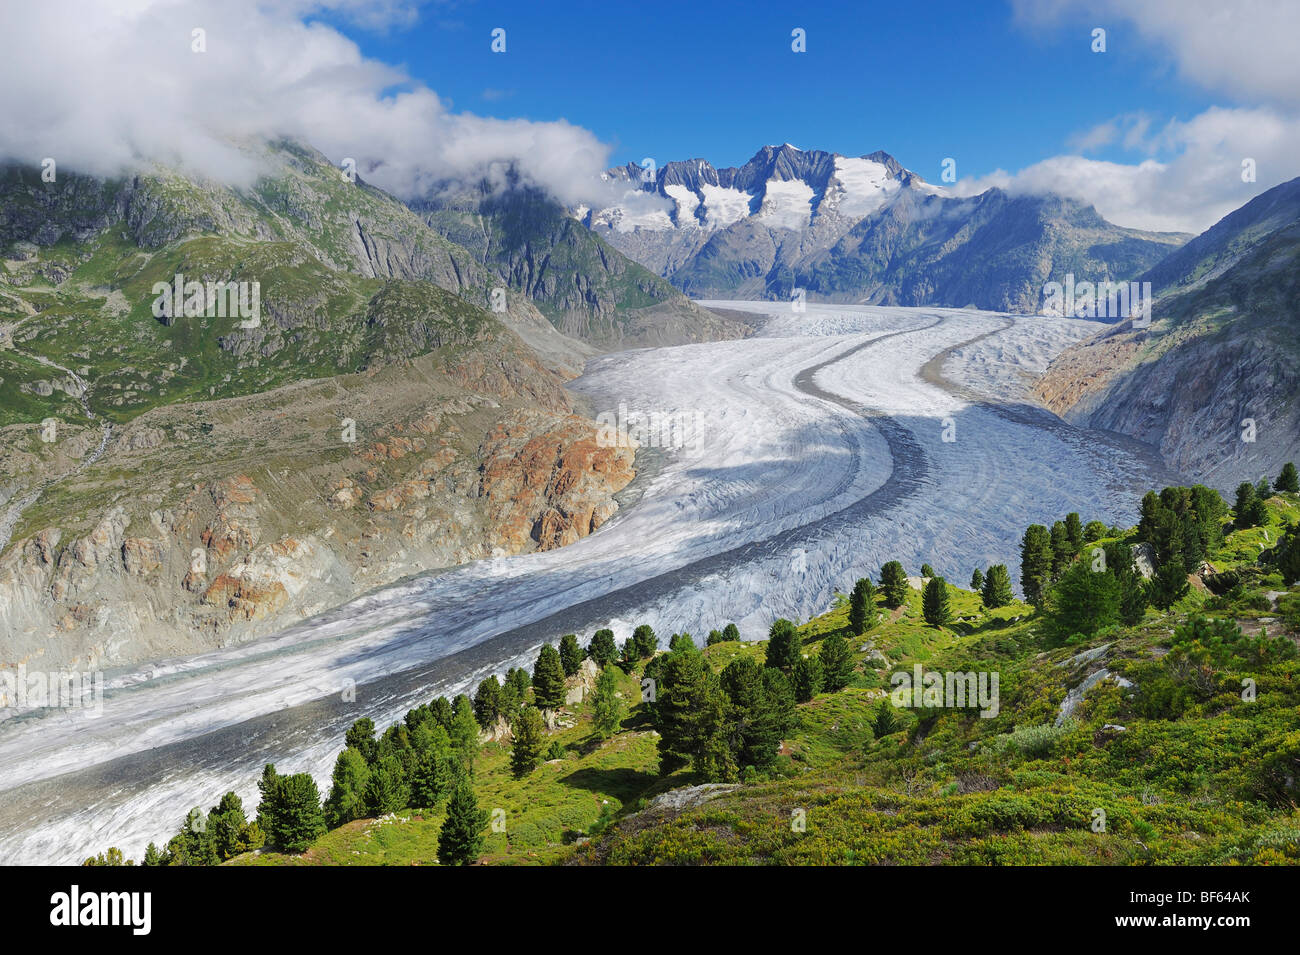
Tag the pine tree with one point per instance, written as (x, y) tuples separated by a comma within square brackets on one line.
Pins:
[(347, 800), (487, 702), (529, 732), (886, 721), (1061, 552), (440, 710), (934, 602), (731, 632), (1074, 531), (927, 571), (602, 648), (1083, 601), (893, 583), (1169, 584), (1246, 508), (807, 677), (361, 737), (1035, 563), (607, 707), (386, 788), (714, 637), (643, 637), (464, 730), (548, 678), (1287, 480), (152, 856), (679, 641), (862, 606), (784, 647), (997, 587), (461, 839), (836, 658), (977, 580), (570, 654), (291, 808)]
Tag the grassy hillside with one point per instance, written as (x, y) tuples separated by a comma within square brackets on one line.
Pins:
[(1181, 766)]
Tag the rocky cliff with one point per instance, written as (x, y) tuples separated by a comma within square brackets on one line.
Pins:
[(1214, 381)]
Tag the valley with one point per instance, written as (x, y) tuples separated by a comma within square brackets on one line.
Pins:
[(835, 439)]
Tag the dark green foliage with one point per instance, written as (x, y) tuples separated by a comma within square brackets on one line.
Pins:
[(784, 647), (548, 678), (690, 712), (679, 640), (1074, 531), (1169, 584), (997, 587), (1062, 551), (570, 654), (602, 648), (386, 788), (1035, 563), (464, 729), (230, 831), (487, 702), (977, 581), (440, 710), (1249, 508), (607, 707), (1083, 601), (758, 712), (361, 737), (1287, 480), (514, 691), (927, 570), (1132, 588), (290, 810), (1094, 531), (836, 657), (347, 798), (806, 678), (893, 584), (886, 721), (862, 606), (460, 841), (645, 640), (731, 632), (935, 604), (714, 637), (1284, 556), (529, 731), (435, 774)]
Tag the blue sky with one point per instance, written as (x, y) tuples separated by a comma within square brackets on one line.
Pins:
[(712, 80)]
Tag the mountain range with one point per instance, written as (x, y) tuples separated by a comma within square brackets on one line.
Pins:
[(859, 229)]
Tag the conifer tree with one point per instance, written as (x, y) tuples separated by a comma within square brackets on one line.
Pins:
[(1287, 480), (1035, 562), (602, 649), (608, 708), (836, 658), (977, 580), (934, 602), (570, 654), (529, 732), (645, 640), (893, 583), (862, 606), (784, 647), (487, 702), (347, 799), (460, 841), (997, 587), (548, 678), (807, 676)]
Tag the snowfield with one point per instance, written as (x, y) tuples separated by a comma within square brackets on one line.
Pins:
[(833, 440)]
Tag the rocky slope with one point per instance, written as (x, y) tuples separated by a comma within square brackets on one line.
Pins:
[(859, 229), (173, 483), (587, 288), (1223, 351)]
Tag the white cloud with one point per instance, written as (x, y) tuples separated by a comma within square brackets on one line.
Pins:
[(104, 85), (1245, 49), (1189, 192)]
